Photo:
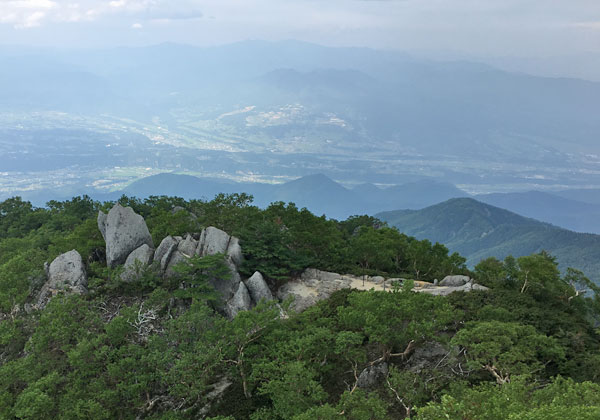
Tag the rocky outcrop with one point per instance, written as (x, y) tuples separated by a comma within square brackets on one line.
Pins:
[(234, 251), (455, 281), (240, 301), (315, 285), (124, 231), (257, 286), (102, 223), (175, 258), (188, 246), (226, 286), (446, 290), (139, 257), (211, 241), (371, 376), (431, 355), (65, 274), (165, 250)]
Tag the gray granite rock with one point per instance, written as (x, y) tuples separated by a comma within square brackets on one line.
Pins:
[(372, 376), (431, 355), (258, 288), (240, 301), (188, 246), (140, 257), (454, 281), (234, 251), (124, 231), (446, 290), (228, 285), (175, 258), (377, 279), (312, 286), (102, 223), (66, 273), (213, 241), (164, 251)]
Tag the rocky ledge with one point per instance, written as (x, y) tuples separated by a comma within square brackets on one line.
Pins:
[(128, 242), (315, 285)]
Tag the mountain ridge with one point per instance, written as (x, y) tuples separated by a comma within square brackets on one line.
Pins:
[(477, 230)]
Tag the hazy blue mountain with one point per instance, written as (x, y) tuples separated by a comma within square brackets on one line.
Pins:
[(410, 195), (570, 214), (478, 230), (591, 195), (319, 193), (423, 193), (185, 186)]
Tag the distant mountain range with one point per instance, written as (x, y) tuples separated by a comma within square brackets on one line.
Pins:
[(322, 195), (318, 193), (587, 195), (477, 230), (560, 211)]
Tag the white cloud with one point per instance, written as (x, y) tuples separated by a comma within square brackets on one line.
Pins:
[(30, 13), (25, 13), (137, 25)]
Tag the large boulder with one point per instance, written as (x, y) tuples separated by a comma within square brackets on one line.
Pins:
[(234, 251), (164, 251), (446, 290), (213, 241), (176, 258), (239, 302), (123, 231), (257, 286), (140, 257), (228, 285), (188, 246), (371, 376), (313, 286), (67, 274), (431, 355), (454, 281)]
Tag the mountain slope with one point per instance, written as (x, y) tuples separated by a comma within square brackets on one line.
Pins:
[(477, 230), (567, 213)]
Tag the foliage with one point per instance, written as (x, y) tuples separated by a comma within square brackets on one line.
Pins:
[(158, 348), (520, 399), (506, 349), (195, 273)]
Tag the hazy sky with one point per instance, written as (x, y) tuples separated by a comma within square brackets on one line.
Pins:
[(496, 27)]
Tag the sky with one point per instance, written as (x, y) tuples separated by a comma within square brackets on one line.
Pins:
[(532, 28)]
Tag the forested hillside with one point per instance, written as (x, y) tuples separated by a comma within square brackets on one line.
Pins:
[(158, 346), (477, 231)]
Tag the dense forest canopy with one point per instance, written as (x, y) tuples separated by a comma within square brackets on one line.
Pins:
[(527, 348)]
